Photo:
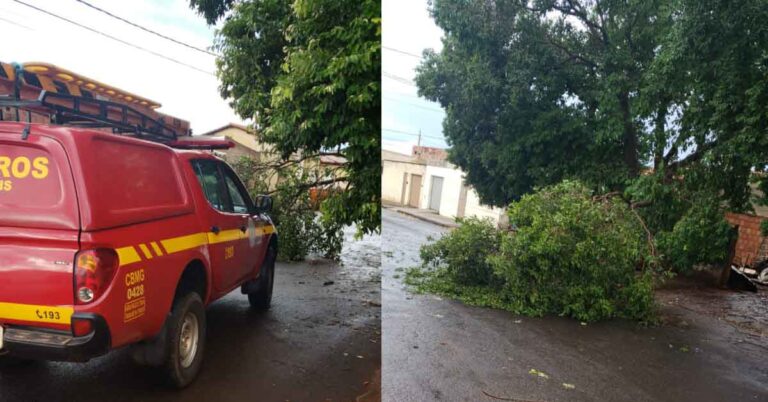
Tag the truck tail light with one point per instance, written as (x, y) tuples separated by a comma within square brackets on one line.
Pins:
[(94, 271)]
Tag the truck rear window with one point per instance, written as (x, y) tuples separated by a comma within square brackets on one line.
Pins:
[(27, 178), (36, 188)]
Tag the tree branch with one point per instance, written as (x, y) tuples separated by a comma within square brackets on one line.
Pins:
[(633, 208), (701, 150), (280, 164), (575, 9), (571, 54)]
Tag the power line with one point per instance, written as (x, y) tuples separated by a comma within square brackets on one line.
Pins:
[(391, 49), (114, 38), (409, 133), (413, 104), (16, 24), (145, 29), (438, 143), (398, 78)]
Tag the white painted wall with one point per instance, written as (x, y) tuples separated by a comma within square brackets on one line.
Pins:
[(474, 208), (453, 180), (395, 165)]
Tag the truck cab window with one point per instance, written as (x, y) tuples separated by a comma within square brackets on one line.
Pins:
[(241, 201), (210, 179)]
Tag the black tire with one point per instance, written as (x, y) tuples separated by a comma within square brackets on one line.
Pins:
[(179, 368), (261, 299)]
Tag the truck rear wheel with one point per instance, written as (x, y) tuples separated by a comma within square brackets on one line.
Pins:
[(261, 298), (186, 340)]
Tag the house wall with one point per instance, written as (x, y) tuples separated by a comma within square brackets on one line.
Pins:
[(233, 155), (243, 138), (437, 156), (749, 246), (453, 180), (392, 180), (475, 208)]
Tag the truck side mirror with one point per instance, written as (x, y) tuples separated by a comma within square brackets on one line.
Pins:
[(263, 203)]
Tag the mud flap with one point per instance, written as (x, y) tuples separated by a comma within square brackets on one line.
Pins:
[(252, 286), (152, 352)]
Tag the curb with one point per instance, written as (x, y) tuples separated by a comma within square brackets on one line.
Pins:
[(425, 219)]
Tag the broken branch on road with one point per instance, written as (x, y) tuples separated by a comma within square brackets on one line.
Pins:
[(509, 399)]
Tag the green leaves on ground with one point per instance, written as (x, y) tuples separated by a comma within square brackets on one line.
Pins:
[(463, 253), (570, 254)]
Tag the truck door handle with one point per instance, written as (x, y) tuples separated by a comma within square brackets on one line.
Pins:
[(243, 228), (215, 229)]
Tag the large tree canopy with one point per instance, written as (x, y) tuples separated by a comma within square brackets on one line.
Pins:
[(308, 73), (601, 90), (662, 101)]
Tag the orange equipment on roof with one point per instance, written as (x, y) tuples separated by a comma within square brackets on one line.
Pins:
[(37, 77)]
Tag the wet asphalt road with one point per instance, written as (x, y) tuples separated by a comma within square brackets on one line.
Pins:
[(317, 343), (442, 350)]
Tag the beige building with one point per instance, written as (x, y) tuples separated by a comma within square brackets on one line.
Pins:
[(246, 143), (425, 180), (401, 178)]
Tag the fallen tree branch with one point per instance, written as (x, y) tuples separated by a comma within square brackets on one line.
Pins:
[(509, 399), (648, 234), (632, 207)]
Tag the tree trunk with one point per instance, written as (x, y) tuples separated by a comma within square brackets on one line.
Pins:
[(660, 140), (725, 273), (630, 137)]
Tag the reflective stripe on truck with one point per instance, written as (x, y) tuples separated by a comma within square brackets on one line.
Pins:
[(132, 254)]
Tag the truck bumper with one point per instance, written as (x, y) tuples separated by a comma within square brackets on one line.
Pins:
[(35, 343)]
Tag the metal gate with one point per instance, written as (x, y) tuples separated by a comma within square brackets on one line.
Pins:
[(415, 191), (436, 193)]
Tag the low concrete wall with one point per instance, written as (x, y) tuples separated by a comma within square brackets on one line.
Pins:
[(751, 245)]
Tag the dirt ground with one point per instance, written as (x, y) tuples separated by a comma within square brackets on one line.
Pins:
[(746, 312)]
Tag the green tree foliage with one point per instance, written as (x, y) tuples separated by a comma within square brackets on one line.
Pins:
[(606, 91), (571, 254), (308, 73), (301, 231)]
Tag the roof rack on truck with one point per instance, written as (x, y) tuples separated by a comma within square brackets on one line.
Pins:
[(41, 105)]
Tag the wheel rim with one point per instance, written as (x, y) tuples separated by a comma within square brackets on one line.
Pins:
[(188, 339)]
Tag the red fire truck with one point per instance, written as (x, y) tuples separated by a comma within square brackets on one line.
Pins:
[(115, 231)]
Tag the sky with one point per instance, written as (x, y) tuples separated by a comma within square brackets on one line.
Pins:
[(29, 35), (407, 29)]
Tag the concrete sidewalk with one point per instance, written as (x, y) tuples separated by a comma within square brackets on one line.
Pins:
[(422, 214)]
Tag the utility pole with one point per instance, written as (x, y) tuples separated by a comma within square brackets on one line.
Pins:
[(419, 141)]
